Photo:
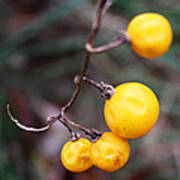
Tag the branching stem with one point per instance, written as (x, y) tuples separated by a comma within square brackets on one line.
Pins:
[(95, 28), (106, 90)]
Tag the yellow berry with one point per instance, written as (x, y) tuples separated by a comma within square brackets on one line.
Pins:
[(150, 34), (75, 155), (110, 152), (132, 111)]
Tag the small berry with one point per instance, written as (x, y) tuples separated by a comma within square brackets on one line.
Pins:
[(75, 155), (150, 34), (132, 111), (110, 152)]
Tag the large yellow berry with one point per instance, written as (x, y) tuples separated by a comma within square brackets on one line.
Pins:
[(110, 152), (75, 155), (132, 111), (150, 34)]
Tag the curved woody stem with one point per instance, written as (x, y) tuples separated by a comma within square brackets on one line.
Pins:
[(123, 38), (23, 127), (106, 90), (102, 7)]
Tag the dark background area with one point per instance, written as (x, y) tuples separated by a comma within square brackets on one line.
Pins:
[(42, 49)]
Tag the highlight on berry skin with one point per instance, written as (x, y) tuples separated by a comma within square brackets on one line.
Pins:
[(132, 111), (75, 155), (150, 34)]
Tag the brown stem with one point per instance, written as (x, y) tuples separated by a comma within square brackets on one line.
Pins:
[(92, 134), (94, 31), (102, 7), (78, 86), (23, 127), (52, 119), (107, 90), (114, 43)]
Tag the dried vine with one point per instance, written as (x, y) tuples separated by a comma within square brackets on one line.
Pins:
[(106, 90)]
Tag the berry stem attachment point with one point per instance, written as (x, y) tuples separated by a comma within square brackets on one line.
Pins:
[(106, 90)]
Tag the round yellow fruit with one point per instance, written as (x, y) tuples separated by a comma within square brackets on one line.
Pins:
[(132, 111), (75, 155), (150, 34), (110, 152)]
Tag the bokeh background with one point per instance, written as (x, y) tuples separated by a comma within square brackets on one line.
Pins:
[(42, 49)]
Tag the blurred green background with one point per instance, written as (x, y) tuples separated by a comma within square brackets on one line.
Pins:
[(42, 49)]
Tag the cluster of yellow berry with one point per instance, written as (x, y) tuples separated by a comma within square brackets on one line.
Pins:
[(130, 113), (133, 109)]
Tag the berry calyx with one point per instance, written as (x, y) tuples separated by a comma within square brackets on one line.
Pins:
[(75, 155), (150, 34), (132, 111), (110, 152)]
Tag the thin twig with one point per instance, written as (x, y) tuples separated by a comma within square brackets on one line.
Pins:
[(25, 128), (102, 7), (52, 119), (95, 28), (93, 134), (107, 90), (114, 43)]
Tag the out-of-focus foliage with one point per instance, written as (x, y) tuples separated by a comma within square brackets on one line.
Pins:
[(42, 49)]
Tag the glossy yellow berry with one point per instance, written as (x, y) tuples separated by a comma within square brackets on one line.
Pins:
[(110, 152), (75, 155), (132, 111), (150, 34)]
